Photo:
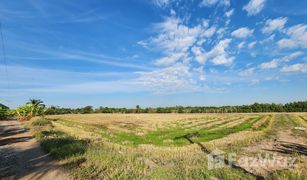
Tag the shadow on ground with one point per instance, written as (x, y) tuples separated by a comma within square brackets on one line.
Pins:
[(289, 148), (21, 157)]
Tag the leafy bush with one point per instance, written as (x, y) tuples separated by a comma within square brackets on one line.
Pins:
[(3, 111), (31, 109)]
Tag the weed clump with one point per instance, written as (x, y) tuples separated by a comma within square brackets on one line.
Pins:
[(41, 122)]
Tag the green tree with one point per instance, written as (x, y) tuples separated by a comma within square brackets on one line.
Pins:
[(137, 108), (3, 111)]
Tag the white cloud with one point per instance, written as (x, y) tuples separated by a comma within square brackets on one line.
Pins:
[(174, 36), (222, 59), (252, 44), (297, 37), (254, 7), (271, 38), (174, 39), (247, 72), (241, 44), (178, 43), (208, 32), (168, 79), (161, 3), (272, 25), (217, 54), (171, 59), (295, 68), (254, 81), (200, 71), (221, 31), (200, 56), (142, 43), (205, 34), (229, 13), (286, 43), (253, 54), (242, 32), (270, 65), (292, 56), (209, 3)]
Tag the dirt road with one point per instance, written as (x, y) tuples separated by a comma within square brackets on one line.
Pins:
[(21, 157)]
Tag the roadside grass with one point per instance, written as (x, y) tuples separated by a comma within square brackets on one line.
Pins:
[(59, 144)]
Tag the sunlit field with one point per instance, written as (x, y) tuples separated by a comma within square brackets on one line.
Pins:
[(160, 146)]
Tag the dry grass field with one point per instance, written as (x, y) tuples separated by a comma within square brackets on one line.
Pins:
[(173, 146)]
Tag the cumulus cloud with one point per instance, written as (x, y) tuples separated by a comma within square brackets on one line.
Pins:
[(176, 77), (297, 37), (270, 38), (247, 72), (242, 32), (254, 7), (177, 42), (252, 44), (172, 58), (174, 40), (270, 65), (209, 3), (205, 34), (200, 56), (286, 43), (300, 67), (229, 13), (222, 59), (241, 44), (272, 25), (218, 54), (292, 56)]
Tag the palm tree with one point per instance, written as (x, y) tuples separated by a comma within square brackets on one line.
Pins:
[(37, 106), (137, 108)]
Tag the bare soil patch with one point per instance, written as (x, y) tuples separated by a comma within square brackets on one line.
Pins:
[(21, 157)]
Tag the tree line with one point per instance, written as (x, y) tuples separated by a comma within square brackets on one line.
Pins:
[(300, 106), (35, 107)]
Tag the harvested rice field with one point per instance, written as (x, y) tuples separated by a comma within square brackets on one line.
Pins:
[(176, 146)]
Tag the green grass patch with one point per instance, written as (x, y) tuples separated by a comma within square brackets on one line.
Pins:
[(61, 145), (168, 137), (41, 122)]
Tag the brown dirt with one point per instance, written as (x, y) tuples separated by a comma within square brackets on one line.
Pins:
[(21, 157), (285, 145)]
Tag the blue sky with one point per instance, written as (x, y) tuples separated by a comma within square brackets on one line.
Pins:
[(153, 53)]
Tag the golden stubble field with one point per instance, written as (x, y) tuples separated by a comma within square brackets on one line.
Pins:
[(155, 146)]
